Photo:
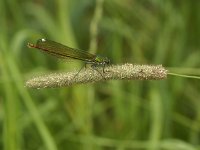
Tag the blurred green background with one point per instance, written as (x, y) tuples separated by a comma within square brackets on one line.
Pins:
[(121, 115)]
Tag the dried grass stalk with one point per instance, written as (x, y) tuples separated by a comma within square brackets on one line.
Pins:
[(90, 75)]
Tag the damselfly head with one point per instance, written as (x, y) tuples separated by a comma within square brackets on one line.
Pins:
[(106, 61), (102, 60)]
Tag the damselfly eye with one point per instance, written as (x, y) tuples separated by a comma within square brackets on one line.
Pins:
[(106, 60)]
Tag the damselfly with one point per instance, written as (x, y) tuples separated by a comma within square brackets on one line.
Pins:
[(62, 51)]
